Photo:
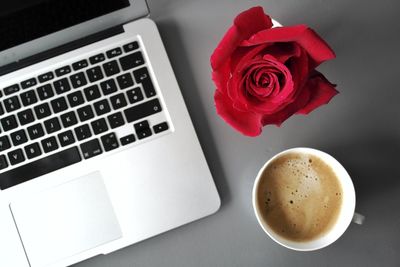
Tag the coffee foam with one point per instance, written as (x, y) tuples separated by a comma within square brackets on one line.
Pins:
[(299, 196)]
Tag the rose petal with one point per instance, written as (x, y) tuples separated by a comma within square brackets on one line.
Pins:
[(225, 48), (300, 68), (276, 86), (252, 21), (221, 77), (246, 24), (248, 123), (279, 117), (321, 92), (245, 54), (286, 90), (283, 51), (239, 53), (316, 47)]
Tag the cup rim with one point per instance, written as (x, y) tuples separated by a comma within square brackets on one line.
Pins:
[(350, 207)]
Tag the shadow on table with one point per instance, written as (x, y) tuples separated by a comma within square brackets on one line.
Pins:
[(178, 56), (371, 163)]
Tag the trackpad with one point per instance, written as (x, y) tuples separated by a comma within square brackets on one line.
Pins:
[(66, 220)]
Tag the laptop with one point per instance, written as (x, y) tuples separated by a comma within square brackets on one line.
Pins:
[(97, 149)]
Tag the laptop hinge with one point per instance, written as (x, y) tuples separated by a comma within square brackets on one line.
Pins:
[(61, 49)]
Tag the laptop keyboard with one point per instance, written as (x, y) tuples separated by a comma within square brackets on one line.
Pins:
[(73, 113)]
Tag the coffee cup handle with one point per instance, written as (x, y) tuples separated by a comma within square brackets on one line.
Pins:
[(358, 218)]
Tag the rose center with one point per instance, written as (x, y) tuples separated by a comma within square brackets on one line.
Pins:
[(264, 82), (264, 78)]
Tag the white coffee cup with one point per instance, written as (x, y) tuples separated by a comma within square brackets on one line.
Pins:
[(346, 213)]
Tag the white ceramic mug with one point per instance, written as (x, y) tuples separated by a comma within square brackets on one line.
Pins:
[(346, 214)]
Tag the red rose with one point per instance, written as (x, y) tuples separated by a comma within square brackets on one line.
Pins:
[(264, 75)]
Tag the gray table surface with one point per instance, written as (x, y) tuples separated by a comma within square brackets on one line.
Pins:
[(360, 127)]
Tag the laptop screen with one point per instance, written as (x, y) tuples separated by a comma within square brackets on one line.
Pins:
[(25, 20)]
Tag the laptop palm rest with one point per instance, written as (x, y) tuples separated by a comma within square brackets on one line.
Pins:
[(66, 220)]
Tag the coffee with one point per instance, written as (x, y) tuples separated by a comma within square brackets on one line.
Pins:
[(299, 197)]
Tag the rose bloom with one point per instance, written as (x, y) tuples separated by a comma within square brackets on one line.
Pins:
[(264, 75)]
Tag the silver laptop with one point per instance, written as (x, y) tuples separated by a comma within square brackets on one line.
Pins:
[(97, 150)]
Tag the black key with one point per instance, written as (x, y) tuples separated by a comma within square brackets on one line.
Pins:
[(83, 132), (161, 127), (91, 148), (16, 156), (145, 133), (115, 120), (75, 99), (46, 77), (3, 162), (97, 58), (80, 64), (131, 46), (33, 150), (45, 91), (85, 113), (109, 141), (125, 80), (4, 143), (28, 83), (11, 89), (42, 111), (52, 125), (26, 116), (134, 95), (118, 101), (99, 126), (39, 167), (141, 126), (18, 137), (142, 110), (28, 98), (94, 74), (62, 86), (49, 144), (142, 76), (35, 131), (78, 79), (63, 70), (127, 139), (131, 61), (12, 103), (59, 104), (68, 119), (92, 92), (66, 138), (111, 68), (102, 107), (9, 123), (1, 109), (114, 52), (108, 87)]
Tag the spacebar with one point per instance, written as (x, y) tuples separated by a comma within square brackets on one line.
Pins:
[(39, 167)]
